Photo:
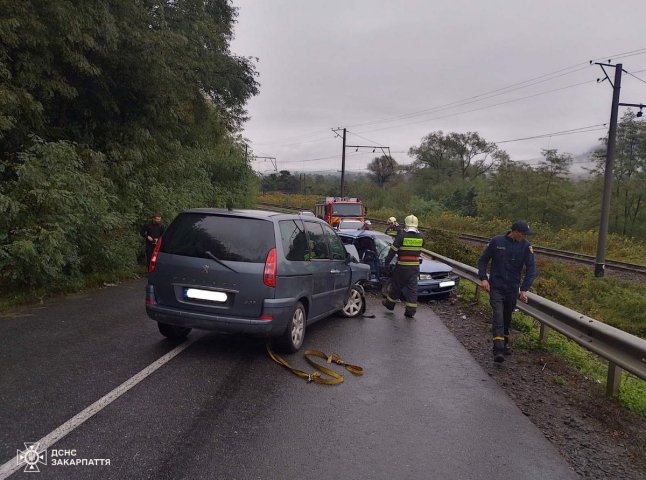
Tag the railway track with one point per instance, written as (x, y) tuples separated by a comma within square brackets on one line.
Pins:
[(631, 268)]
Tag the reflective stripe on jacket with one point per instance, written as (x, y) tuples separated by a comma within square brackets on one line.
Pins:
[(408, 247)]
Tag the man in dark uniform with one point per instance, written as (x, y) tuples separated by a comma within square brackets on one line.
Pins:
[(508, 254), (393, 228), (403, 283), (151, 231)]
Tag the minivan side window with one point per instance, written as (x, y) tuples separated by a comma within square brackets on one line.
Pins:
[(227, 238), (292, 234), (318, 245), (336, 246)]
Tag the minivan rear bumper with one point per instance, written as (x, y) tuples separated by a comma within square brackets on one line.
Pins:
[(279, 310)]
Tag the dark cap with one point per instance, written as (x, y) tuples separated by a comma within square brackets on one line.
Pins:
[(522, 227)]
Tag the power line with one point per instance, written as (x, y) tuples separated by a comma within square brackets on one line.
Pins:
[(631, 53), (483, 108), (590, 128), (635, 76), (477, 98), (490, 94), (364, 138), (468, 100)]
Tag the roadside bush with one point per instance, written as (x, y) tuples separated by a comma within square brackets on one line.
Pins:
[(59, 220)]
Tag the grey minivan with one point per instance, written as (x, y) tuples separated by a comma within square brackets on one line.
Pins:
[(251, 271)]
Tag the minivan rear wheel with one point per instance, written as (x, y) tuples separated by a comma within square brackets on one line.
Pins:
[(172, 331), (292, 338), (356, 303)]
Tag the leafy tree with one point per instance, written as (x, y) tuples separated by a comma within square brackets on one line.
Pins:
[(465, 155), (383, 168), (629, 176), (434, 153), (506, 194), (552, 198), (284, 182), (138, 103)]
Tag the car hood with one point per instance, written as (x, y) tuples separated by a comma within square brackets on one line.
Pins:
[(433, 266)]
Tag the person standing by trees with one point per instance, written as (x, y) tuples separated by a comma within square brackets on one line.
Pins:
[(151, 231), (393, 228), (509, 254), (403, 283)]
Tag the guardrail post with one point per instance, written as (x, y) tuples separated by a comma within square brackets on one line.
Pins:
[(545, 330), (614, 379)]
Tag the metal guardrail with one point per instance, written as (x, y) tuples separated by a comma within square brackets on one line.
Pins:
[(622, 350)]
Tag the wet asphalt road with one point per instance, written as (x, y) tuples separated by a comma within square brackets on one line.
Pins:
[(222, 409)]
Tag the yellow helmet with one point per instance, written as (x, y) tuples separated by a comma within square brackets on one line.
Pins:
[(411, 221)]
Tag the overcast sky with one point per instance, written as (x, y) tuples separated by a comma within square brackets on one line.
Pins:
[(392, 72)]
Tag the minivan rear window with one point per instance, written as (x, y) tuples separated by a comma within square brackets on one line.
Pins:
[(231, 238)]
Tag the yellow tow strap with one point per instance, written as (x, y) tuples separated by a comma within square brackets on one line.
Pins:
[(335, 378)]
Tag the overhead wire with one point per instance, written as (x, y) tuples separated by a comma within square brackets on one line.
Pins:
[(469, 100), (477, 98), (635, 76), (490, 94), (483, 107), (589, 128)]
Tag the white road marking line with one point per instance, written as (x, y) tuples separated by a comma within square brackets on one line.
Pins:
[(10, 467)]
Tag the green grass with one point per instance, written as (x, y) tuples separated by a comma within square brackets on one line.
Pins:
[(632, 390), (12, 298), (559, 380)]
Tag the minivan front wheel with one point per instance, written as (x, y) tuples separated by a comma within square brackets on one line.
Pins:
[(356, 303), (173, 332), (294, 334)]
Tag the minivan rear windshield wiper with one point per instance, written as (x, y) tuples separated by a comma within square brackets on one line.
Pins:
[(219, 261)]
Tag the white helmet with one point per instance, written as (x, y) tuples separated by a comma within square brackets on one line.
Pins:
[(411, 221), (368, 222), (392, 220)]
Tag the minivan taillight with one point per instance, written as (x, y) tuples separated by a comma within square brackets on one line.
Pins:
[(269, 274), (153, 259)]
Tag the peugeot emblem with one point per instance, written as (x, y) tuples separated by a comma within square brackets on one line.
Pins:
[(205, 269)]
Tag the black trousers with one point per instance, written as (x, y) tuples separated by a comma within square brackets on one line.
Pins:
[(503, 304), (403, 286)]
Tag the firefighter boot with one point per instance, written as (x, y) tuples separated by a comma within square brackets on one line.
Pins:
[(409, 312), (388, 304), (498, 356)]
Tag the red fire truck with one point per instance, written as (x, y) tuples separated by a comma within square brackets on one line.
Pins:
[(333, 209)]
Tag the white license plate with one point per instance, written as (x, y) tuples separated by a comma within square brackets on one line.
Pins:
[(450, 283), (198, 294)]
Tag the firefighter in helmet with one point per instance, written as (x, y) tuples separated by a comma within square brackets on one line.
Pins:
[(393, 227), (403, 283)]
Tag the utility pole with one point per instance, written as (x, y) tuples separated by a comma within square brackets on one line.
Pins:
[(374, 147), (343, 165), (599, 264), (600, 260)]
